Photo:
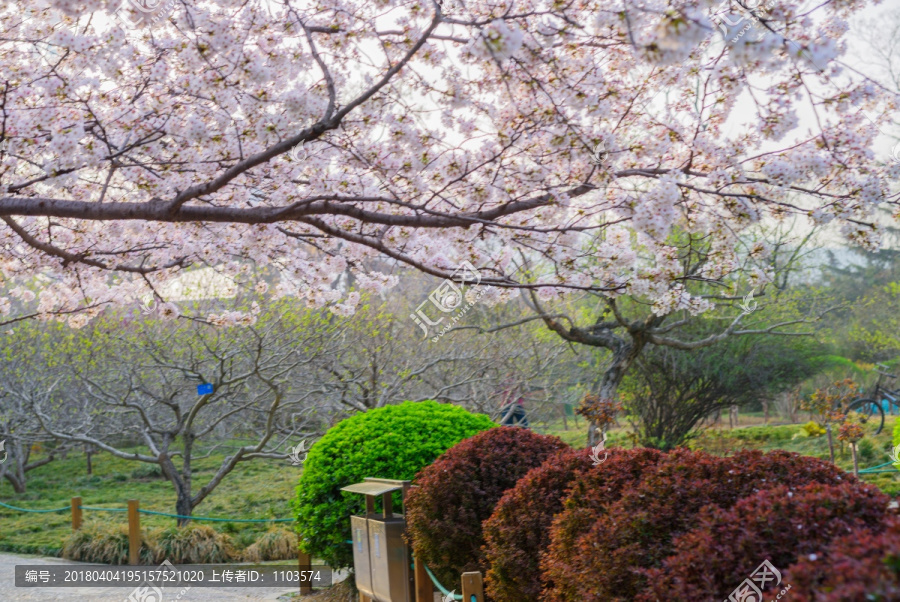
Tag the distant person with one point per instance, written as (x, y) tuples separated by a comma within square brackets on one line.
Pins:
[(513, 414)]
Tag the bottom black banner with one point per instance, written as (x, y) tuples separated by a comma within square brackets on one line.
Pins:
[(168, 575)]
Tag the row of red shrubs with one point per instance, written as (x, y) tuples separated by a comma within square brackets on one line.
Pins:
[(545, 524)]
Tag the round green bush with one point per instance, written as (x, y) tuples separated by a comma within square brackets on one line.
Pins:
[(393, 442)]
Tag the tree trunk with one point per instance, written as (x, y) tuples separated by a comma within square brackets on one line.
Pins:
[(623, 357), (17, 484), (13, 469), (765, 405), (855, 461), (830, 441), (183, 501), (183, 507), (16, 466)]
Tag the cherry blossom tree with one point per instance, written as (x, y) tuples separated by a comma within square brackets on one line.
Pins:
[(313, 138)]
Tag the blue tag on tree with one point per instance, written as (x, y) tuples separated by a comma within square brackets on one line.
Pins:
[(204, 389)]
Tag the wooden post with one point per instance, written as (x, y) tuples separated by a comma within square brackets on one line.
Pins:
[(76, 513), (305, 563), (134, 533), (472, 586), (424, 588)]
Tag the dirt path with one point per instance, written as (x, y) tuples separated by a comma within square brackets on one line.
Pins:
[(10, 593)]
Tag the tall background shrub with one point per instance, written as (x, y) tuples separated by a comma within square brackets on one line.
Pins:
[(861, 565), (393, 442)]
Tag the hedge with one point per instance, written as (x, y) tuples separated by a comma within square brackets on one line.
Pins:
[(393, 442)]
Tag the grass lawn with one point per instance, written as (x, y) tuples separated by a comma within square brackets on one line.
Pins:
[(257, 489)]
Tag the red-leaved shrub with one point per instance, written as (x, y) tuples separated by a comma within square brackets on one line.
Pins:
[(598, 554), (517, 532), (779, 525), (459, 490), (590, 495), (860, 566)]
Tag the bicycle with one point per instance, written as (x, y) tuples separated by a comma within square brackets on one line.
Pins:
[(871, 409)]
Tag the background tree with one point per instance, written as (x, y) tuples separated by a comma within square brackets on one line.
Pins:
[(30, 372), (181, 146), (829, 403), (382, 357), (139, 380), (670, 391), (627, 325)]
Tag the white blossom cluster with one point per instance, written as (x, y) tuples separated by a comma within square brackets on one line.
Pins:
[(479, 147)]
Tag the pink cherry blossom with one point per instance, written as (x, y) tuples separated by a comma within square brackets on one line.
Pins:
[(130, 154)]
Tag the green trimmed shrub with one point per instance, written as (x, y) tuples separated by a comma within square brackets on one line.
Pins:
[(812, 429), (393, 442)]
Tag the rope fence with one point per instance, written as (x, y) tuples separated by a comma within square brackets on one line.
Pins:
[(444, 591), (152, 512), (35, 511), (134, 524), (873, 469)]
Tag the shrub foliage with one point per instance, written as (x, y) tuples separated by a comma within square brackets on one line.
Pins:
[(519, 529), (393, 442), (102, 543), (862, 565), (460, 490), (107, 543), (778, 525), (603, 538), (193, 544), (278, 543)]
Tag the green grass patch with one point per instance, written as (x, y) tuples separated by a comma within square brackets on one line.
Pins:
[(258, 489)]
